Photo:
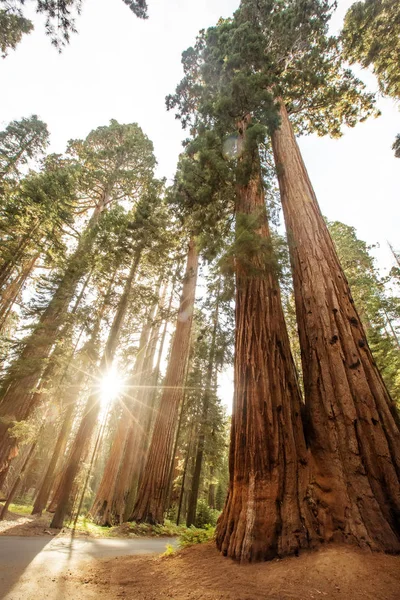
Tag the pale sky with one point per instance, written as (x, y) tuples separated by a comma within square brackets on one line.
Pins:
[(121, 67)]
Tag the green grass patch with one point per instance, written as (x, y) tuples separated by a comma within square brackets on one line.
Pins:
[(85, 525), (21, 509)]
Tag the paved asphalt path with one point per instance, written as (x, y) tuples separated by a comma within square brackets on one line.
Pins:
[(25, 560)]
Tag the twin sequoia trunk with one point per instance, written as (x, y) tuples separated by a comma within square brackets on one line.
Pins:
[(92, 408), (17, 397), (353, 435), (264, 514), (153, 490)]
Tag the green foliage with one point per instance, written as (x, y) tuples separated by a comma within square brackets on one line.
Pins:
[(371, 36), (205, 516), (379, 307), (12, 28), (194, 535), (60, 16), (20, 142)]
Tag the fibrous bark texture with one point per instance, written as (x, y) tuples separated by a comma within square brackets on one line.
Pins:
[(352, 430), (265, 514), (153, 490)]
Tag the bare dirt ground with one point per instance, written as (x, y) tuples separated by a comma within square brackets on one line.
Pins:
[(200, 572)]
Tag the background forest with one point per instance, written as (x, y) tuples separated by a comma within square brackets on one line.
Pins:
[(130, 300)]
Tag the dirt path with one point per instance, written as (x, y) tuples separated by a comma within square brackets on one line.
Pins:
[(33, 568), (55, 572), (201, 573)]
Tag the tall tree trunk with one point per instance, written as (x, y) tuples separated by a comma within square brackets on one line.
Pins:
[(17, 398), (92, 409), (264, 514), (211, 489), (10, 294), (61, 443), (14, 489), (107, 509), (153, 490), (352, 432), (194, 492), (138, 431)]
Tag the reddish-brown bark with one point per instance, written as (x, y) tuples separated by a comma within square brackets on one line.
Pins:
[(92, 409), (108, 506), (17, 394), (265, 514), (352, 430), (153, 489)]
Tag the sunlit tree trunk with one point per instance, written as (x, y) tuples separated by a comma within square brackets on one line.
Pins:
[(17, 400), (10, 294), (153, 490), (264, 514), (92, 409), (352, 431), (108, 506)]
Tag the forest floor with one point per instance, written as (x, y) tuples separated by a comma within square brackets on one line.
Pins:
[(20, 522), (201, 573)]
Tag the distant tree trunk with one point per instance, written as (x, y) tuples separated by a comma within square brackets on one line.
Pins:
[(139, 435), (16, 254), (10, 294), (352, 432), (184, 474), (108, 506), (14, 489), (153, 490), (61, 443), (16, 396), (139, 427), (92, 409), (264, 514), (211, 489), (194, 492)]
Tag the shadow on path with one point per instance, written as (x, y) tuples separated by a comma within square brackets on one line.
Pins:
[(16, 553)]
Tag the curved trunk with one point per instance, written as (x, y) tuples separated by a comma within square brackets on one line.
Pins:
[(153, 490), (17, 398), (352, 430), (92, 409), (265, 514)]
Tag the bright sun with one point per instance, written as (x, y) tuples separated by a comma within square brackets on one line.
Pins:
[(110, 386)]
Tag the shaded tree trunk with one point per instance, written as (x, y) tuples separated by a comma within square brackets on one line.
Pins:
[(153, 490), (352, 431), (194, 492), (17, 398), (92, 409), (14, 489), (264, 515)]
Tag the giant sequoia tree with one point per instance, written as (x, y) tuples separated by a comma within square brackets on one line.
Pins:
[(283, 56)]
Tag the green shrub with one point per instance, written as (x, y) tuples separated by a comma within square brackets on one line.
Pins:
[(206, 515), (194, 535)]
